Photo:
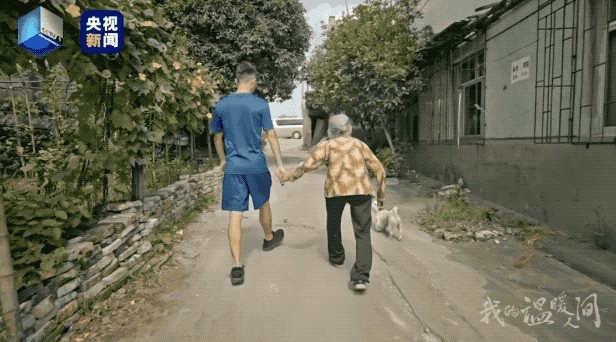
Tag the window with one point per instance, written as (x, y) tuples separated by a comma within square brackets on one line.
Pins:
[(471, 74)]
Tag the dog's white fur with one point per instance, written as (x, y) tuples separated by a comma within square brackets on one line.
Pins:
[(386, 220)]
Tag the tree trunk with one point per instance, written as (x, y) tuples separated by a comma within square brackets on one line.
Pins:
[(8, 293), (209, 143), (192, 147), (388, 136), (138, 181)]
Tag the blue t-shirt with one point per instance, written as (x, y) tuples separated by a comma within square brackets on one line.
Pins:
[(241, 117)]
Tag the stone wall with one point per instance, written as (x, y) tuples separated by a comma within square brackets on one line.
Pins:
[(116, 247)]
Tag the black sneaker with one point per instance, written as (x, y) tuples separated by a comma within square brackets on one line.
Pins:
[(237, 275), (359, 285), (275, 242)]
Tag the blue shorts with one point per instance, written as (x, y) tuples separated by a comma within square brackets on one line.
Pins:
[(236, 188)]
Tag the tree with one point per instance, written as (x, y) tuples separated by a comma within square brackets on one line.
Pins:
[(272, 34), (365, 66)]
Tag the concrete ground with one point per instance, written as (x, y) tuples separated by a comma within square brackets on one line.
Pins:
[(421, 289)]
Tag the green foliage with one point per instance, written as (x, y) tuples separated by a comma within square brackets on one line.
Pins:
[(104, 113), (272, 34), (390, 161), (162, 173), (365, 67), (39, 224)]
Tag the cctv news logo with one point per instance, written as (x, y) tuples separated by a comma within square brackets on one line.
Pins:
[(101, 32), (40, 32)]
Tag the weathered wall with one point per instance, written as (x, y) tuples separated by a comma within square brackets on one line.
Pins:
[(568, 187), (115, 248), (510, 108)]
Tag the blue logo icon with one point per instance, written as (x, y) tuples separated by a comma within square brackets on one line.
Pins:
[(40, 32), (101, 31)]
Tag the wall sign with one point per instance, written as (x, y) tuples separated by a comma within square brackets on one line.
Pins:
[(520, 70)]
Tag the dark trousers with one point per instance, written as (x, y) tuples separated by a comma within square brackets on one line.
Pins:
[(362, 219)]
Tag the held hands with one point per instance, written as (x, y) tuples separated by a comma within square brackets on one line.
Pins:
[(223, 165), (282, 174)]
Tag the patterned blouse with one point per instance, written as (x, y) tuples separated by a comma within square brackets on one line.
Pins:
[(348, 160)]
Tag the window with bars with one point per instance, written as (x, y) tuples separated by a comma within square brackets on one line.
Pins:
[(471, 75)]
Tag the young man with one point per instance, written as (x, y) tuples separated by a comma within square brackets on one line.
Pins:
[(238, 121)]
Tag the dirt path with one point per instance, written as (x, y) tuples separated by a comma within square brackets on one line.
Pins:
[(421, 289)]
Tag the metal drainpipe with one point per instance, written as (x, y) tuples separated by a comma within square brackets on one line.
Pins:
[(8, 293)]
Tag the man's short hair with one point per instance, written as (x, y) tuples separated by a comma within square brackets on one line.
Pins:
[(245, 72)]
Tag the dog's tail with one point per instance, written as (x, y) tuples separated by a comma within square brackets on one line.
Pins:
[(394, 210)]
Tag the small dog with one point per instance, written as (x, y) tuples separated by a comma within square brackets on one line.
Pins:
[(386, 220)]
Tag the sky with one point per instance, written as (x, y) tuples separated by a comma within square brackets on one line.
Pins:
[(437, 13)]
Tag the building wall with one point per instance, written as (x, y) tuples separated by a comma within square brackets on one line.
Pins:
[(570, 187), (511, 105)]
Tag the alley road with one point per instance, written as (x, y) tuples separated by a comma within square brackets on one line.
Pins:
[(420, 290)]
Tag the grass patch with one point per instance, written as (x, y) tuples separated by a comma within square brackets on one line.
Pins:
[(457, 213), (530, 234)]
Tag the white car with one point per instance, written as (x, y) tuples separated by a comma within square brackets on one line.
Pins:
[(289, 127)]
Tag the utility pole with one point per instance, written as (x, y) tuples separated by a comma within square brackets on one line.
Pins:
[(8, 293), (347, 6)]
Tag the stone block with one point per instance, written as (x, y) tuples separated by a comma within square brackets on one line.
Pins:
[(43, 308), (99, 266), (61, 302), (151, 199), (152, 223), (41, 333), (116, 276), (130, 262), (91, 282), (95, 290), (29, 292), (163, 193), (112, 267), (78, 250), (112, 247), (135, 238), (68, 287), (145, 247), (118, 207), (128, 252), (72, 319), (100, 232), (127, 230), (68, 310), (67, 276), (65, 267), (125, 219), (96, 257), (25, 307), (27, 322)]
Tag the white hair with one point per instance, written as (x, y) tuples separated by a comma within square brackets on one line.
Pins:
[(339, 125)]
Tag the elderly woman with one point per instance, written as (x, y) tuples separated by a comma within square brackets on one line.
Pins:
[(348, 161)]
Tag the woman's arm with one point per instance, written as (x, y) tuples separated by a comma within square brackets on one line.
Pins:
[(312, 163), (375, 165)]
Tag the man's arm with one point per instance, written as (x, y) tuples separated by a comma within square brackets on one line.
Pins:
[(272, 137), (220, 150)]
